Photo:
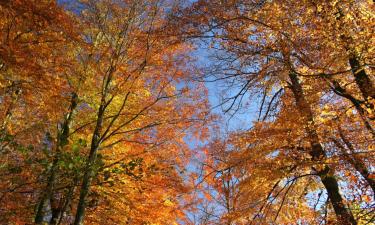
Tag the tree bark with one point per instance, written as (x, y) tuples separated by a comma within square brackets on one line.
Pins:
[(89, 171), (325, 173), (357, 163), (64, 204), (62, 140), (356, 103), (362, 80)]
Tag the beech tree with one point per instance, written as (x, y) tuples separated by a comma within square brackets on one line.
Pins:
[(293, 56), (126, 105), (106, 119)]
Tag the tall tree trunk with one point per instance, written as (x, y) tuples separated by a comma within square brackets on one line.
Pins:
[(89, 171), (325, 173), (95, 143), (362, 80), (356, 103), (62, 140), (356, 162), (358, 165)]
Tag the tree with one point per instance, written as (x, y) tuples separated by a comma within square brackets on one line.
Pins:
[(125, 86), (283, 49)]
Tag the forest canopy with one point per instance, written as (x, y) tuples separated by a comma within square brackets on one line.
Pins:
[(201, 112)]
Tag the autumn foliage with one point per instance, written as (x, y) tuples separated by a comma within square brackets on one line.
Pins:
[(107, 114)]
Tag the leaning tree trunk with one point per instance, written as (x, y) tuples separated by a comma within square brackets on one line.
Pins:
[(62, 140), (325, 173), (358, 163), (356, 103), (362, 80)]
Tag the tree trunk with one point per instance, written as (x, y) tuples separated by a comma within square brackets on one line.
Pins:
[(62, 140), (362, 80), (89, 172), (358, 163), (325, 173), (85, 188), (356, 103), (55, 214), (64, 204)]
